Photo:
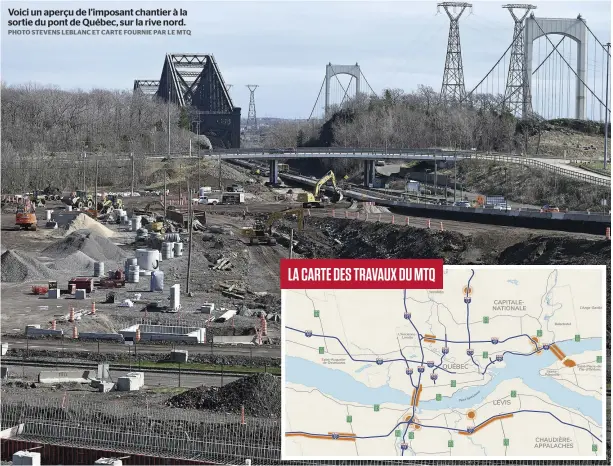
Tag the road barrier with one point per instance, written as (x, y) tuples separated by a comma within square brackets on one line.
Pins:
[(608, 233)]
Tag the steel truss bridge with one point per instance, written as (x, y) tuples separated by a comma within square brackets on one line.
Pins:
[(193, 82)]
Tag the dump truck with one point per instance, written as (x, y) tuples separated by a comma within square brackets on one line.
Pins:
[(316, 198)]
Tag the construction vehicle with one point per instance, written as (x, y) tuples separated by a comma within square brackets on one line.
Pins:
[(316, 199), (109, 203), (261, 232), (79, 199), (25, 216), (283, 168)]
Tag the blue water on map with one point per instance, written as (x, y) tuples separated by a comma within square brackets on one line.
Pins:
[(344, 387), (366, 366), (513, 282)]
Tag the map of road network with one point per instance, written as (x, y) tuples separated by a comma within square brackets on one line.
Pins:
[(505, 362)]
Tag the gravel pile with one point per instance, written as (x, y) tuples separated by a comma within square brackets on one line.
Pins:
[(85, 222), (260, 394), (75, 262), (18, 267), (96, 247)]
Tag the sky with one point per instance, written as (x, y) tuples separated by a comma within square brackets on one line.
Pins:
[(282, 46)]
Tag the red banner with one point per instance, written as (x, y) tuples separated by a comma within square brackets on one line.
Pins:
[(346, 274)]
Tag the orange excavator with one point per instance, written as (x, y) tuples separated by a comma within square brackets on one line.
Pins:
[(26, 216)]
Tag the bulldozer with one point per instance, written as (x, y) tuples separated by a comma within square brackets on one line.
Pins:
[(79, 199), (316, 198), (109, 203), (261, 232), (25, 217)]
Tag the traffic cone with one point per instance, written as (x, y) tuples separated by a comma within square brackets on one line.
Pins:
[(93, 308), (608, 233), (345, 214), (407, 221), (75, 332), (137, 335), (71, 316), (393, 220), (53, 325), (428, 223), (379, 218), (442, 227)]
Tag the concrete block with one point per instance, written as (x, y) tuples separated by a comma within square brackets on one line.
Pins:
[(65, 376), (233, 340), (95, 383), (139, 376), (178, 356), (103, 372), (4, 372), (128, 384), (105, 387), (31, 458), (53, 294), (5, 348)]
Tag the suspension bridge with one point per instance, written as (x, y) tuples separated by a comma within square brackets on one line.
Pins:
[(552, 68)]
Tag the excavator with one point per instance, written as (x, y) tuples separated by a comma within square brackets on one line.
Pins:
[(317, 199), (109, 203), (26, 216), (261, 232)]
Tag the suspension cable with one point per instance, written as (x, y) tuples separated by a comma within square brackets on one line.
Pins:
[(317, 100)]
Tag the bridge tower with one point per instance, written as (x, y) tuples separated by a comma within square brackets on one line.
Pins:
[(517, 97), (453, 77), (333, 70), (252, 120)]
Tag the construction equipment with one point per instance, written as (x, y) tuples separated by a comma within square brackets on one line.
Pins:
[(283, 168), (25, 216), (79, 199), (109, 203), (261, 232), (39, 199), (316, 199)]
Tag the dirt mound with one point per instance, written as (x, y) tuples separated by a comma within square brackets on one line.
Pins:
[(96, 247), (84, 222), (17, 267), (260, 394), (350, 239), (557, 250)]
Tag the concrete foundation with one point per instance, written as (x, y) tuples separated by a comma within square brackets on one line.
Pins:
[(131, 382), (233, 340), (65, 376), (165, 333)]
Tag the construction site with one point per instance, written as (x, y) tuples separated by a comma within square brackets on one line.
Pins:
[(177, 317)]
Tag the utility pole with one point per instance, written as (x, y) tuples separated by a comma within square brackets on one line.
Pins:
[(455, 176), (453, 77), (84, 157), (606, 112), (219, 159), (131, 155), (96, 189), (168, 78), (164, 193), (199, 183), (191, 233)]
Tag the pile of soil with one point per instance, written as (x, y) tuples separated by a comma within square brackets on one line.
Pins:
[(84, 222), (19, 267), (260, 394), (96, 247)]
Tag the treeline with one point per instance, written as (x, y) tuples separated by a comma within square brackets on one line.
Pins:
[(46, 130), (397, 119)]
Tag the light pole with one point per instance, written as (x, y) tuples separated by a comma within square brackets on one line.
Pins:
[(606, 111)]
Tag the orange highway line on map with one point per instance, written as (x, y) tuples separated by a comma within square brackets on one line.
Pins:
[(489, 421), (418, 395), (557, 352), (429, 338), (321, 437)]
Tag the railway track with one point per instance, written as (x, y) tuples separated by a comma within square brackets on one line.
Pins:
[(122, 367)]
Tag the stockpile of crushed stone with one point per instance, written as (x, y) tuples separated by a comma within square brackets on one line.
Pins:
[(76, 262), (85, 222), (18, 267), (96, 247), (260, 394)]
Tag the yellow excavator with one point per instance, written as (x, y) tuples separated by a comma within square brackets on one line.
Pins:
[(109, 203), (317, 199), (261, 232)]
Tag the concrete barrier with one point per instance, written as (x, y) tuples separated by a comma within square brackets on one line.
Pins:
[(178, 356), (4, 372), (130, 382), (233, 339), (65, 376), (43, 332), (5, 348)]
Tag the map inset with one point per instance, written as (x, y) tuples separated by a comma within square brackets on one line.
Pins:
[(504, 362)]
